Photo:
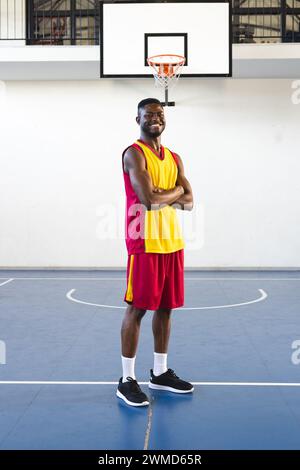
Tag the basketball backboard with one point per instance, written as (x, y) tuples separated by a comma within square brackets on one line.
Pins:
[(200, 31)]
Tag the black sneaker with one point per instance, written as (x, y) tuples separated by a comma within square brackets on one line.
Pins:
[(169, 381), (131, 393)]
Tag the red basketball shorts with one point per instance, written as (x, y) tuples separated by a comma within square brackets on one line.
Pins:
[(155, 280)]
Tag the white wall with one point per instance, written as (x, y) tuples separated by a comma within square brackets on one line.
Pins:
[(60, 158), (83, 62)]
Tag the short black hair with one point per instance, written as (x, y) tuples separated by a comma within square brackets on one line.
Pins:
[(146, 101)]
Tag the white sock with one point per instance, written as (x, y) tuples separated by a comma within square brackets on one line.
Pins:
[(160, 363), (128, 368)]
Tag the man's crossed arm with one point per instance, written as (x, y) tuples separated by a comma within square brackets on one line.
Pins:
[(181, 195)]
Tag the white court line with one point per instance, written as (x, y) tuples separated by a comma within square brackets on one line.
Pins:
[(263, 296), (6, 282), (124, 279), (69, 296), (149, 425), (230, 384)]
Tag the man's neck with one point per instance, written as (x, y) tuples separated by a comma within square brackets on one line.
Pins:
[(153, 142)]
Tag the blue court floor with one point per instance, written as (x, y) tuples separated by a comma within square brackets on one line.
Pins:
[(236, 339)]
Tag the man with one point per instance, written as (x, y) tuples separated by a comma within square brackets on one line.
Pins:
[(154, 182)]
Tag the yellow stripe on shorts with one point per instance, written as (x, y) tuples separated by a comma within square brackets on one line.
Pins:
[(129, 292)]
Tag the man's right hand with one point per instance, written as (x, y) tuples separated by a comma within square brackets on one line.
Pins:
[(180, 189), (157, 190)]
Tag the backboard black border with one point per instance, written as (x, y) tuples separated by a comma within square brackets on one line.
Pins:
[(102, 75), (185, 47)]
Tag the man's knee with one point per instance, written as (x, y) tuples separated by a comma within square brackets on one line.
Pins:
[(164, 312), (136, 313)]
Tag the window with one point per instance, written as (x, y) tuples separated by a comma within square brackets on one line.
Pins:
[(63, 22), (266, 21)]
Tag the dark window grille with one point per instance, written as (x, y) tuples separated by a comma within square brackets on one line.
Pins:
[(63, 22), (76, 22), (266, 21)]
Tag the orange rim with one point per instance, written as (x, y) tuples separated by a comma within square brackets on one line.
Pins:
[(151, 60), (165, 67)]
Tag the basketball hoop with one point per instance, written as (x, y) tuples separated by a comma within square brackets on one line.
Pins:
[(166, 69)]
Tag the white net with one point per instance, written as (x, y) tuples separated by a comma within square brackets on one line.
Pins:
[(166, 69)]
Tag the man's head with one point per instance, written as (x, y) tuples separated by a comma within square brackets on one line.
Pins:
[(151, 117)]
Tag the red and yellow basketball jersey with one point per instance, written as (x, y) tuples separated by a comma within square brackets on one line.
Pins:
[(153, 231)]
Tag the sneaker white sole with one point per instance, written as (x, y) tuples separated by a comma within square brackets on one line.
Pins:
[(131, 403), (169, 389)]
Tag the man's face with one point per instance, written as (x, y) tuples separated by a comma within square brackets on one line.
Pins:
[(152, 120)]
